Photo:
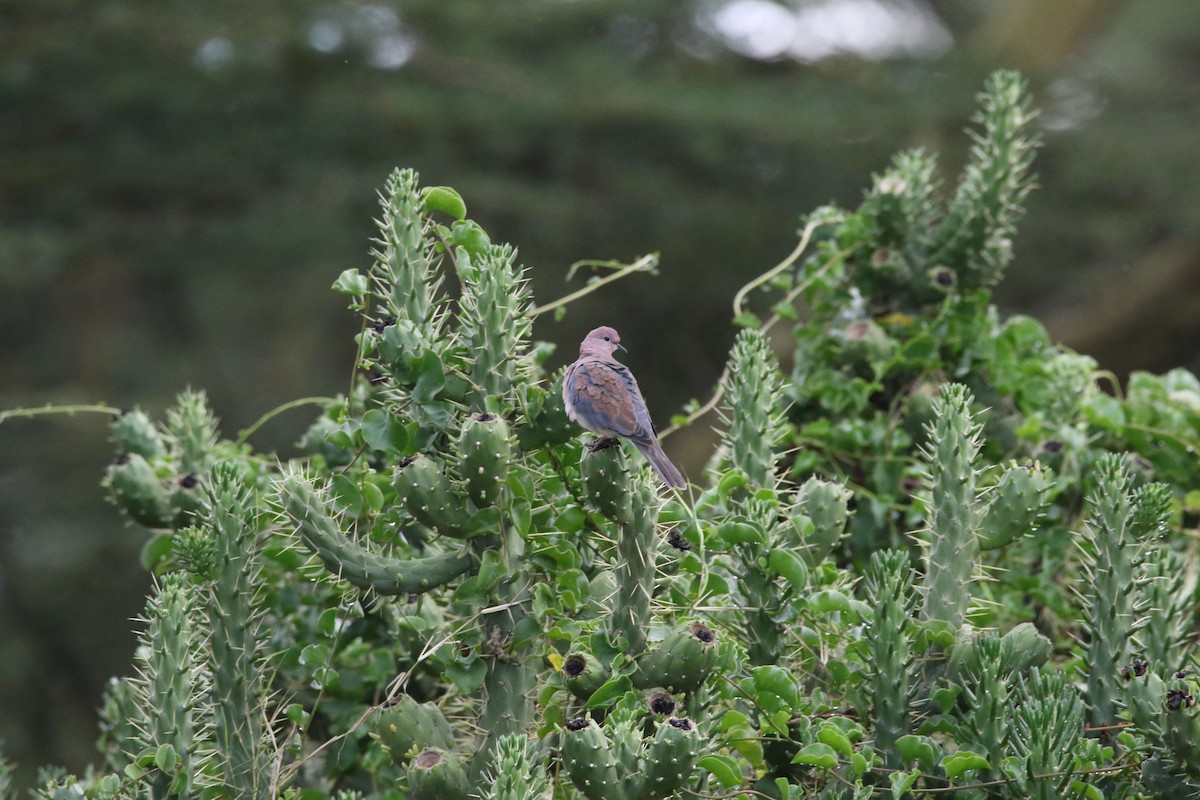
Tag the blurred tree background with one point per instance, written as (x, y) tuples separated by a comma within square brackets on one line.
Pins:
[(181, 182)]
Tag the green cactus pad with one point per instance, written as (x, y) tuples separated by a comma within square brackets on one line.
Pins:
[(486, 452), (589, 761), (669, 759), (1017, 500), (428, 495), (680, 662), (606, 481), (138, 491), (134, 433), (436, 774), (826, 504), (405, 724)]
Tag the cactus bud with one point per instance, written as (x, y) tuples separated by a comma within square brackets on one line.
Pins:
[(1017, 501), (406, 724), (825, 504), (589, 760), (607, 483), (486, 452), (134, 433), (669, 759), (680, 662), (138, 491), (583, 674), (427, 494), (437, 775)]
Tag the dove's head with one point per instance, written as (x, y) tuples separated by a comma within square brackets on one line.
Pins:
[(603, 341)]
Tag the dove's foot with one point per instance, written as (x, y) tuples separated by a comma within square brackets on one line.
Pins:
[(603, 443)]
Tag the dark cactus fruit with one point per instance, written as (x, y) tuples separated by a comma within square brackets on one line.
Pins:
[(485, 448), (680, 662), (589, 761), (437, 774), (583, 674), (137, 490), (428, 495), (670, 758), (406, 724)]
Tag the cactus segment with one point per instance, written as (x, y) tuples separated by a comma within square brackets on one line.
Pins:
[(545, 422), (668, 761), (605, 479), (437, 775), (405, 724), (134, 433), (1017, 501), (427, 494), (826, 504), (354, 563), (137, 490), (589, 760), (583, 674), (680, 662), (486, 452)]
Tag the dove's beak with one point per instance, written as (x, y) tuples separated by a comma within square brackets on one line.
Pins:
[(621, 347)]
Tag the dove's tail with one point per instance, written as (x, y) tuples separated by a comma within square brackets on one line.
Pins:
[(669, 473)]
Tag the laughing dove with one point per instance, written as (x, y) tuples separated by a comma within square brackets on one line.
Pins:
[(601, 394)]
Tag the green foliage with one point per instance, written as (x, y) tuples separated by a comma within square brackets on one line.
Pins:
[(450, 594)]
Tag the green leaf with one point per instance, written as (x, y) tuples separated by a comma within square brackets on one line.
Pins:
[(956, 764), (352, 282), (610, 692), (724, 769), (298, 715), (314, 654), (829, 600), (790, 566), (384, 432), (902, 782), (832, 735), (817, 754), (443, 199), (921, 749), (431, 377), (165, 758), (156, 549)]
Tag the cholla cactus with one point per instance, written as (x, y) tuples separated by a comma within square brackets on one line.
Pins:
[(494, 322), (1112, 591), (973, 240), (951, 541), (890, 591), (172, 707), (753, 409)]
